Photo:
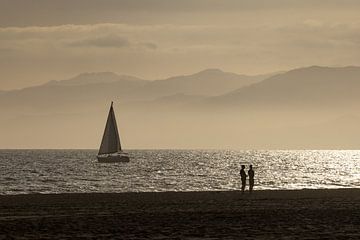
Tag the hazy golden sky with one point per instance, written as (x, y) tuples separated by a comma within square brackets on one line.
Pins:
[(42, 40)]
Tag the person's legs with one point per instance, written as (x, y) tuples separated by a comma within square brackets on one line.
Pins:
[(251, 185), (243, 184)]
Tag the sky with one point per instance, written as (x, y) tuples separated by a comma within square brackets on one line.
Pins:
[(43, 40)]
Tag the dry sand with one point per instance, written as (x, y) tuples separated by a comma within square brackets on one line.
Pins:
[(304, 214)]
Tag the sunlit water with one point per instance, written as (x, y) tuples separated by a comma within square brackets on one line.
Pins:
[(60, 171)]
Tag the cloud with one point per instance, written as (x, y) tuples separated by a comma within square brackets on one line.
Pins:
[(148, 45), (161, 50), (7, 51), (52, 13), (223, 39), (109, 41)]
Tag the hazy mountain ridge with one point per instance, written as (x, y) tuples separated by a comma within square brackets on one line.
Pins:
[(65, 97), (314, 107), (94, 78), (89, 90), (311, 86), (208, 82)]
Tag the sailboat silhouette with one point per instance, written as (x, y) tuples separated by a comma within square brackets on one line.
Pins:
[(110, 149)]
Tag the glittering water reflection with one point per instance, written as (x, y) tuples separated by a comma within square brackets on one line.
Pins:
[(57, 171)]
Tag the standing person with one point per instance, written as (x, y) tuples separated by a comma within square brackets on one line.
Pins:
[(251, 178), (243, 178)]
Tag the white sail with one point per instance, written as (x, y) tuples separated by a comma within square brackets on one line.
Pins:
[(111, 141)]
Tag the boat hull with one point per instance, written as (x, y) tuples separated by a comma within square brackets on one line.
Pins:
[(110, 158)]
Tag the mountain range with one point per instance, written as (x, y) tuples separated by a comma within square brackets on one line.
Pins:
[(309, 87), (300, 108), (90, 90)]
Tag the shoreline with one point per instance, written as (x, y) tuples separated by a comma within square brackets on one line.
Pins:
[(265, 214), (256, 194), (261, 192)]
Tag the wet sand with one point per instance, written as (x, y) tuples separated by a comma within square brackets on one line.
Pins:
[(303, 214)]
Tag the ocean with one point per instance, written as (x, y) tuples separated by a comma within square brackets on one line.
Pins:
[(68, 171)]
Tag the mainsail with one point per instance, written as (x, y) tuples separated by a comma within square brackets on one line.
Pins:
[(111, 141)]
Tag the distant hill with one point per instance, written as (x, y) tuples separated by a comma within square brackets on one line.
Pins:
[(304, 87), (306, 108), (209, 82), (89, 90), (94, 78), (81, 93)]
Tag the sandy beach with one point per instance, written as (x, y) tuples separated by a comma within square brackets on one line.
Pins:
[(302, 214)]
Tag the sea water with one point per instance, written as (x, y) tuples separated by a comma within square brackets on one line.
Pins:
[(65, 171)]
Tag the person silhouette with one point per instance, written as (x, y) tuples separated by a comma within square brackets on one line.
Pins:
[(251, 178), (243, 178)]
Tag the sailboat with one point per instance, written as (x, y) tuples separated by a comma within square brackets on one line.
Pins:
[(110, 149)]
